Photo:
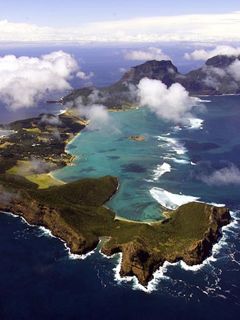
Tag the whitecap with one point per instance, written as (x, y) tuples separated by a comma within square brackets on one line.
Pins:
[(152, 285), (17, 216), (217, 204), (177, 128), (46, 232), (160, 170), (170, 200), (216, 249), (195, 123), (205, 100), (160, 273), (74, 256), (174, 144), (176, 160)]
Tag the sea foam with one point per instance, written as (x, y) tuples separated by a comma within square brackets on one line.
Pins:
[(176, 160), (152, 285), (160, 170), (161, 273), (170, 200), (173, 144), (195, 123)]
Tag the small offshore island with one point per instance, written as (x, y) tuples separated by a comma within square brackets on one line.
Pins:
[(137, 138), (76, 211)]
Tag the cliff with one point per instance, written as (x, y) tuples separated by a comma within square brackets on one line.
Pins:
[(75, 212)]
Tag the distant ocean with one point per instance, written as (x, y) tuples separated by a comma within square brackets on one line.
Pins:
[(40, 280)]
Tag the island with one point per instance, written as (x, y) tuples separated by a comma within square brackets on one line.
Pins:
[(77, 212), (215, 77), (137, 138)]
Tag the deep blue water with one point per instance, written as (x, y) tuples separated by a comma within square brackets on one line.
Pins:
[(38, 280)]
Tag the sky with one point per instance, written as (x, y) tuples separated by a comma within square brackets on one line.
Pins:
[(119, 21), (57, 13)]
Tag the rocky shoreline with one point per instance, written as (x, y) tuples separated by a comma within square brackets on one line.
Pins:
[(188, 234)]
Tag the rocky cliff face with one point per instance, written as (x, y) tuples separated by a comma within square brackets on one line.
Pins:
[(75, 213), (41, 215), (141, 261)]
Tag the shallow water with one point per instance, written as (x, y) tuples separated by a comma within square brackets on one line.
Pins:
[(188, 153)]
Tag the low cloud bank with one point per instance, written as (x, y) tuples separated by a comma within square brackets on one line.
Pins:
[(97, 114), (171, 104), (150, 53), (203, 54), (181, 28), (51, 120), (7, 197), (226, 176), (26, 80), (231, 75)]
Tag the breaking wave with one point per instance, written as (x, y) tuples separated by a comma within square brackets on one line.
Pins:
[(173, 144), (160, 170), (195, 123), (170, 200)]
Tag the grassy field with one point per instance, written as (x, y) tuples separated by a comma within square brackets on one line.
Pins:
[(42, 180)]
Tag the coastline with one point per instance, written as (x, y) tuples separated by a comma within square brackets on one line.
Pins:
[(158, 274), (119, 218), (73, 157), (50, 174)]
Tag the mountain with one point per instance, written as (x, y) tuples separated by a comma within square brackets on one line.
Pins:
[(160, 70), (219, 75)]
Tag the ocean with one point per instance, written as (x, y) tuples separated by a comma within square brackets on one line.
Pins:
[(173, 165)]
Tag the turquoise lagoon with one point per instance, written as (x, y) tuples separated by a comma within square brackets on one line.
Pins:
[(150, 173)]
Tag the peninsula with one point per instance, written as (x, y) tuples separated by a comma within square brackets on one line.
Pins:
[(75, 212)]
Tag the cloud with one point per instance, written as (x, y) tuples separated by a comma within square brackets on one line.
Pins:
[(98, 115), (226, 176), (7, 197), (234, 70), (34, 166), (150, 53), (123, 70), (194, 27), (203, 54), (26, 80), (171, 104), (84, 76), (226, 77), (38, 166), (51, 119)]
